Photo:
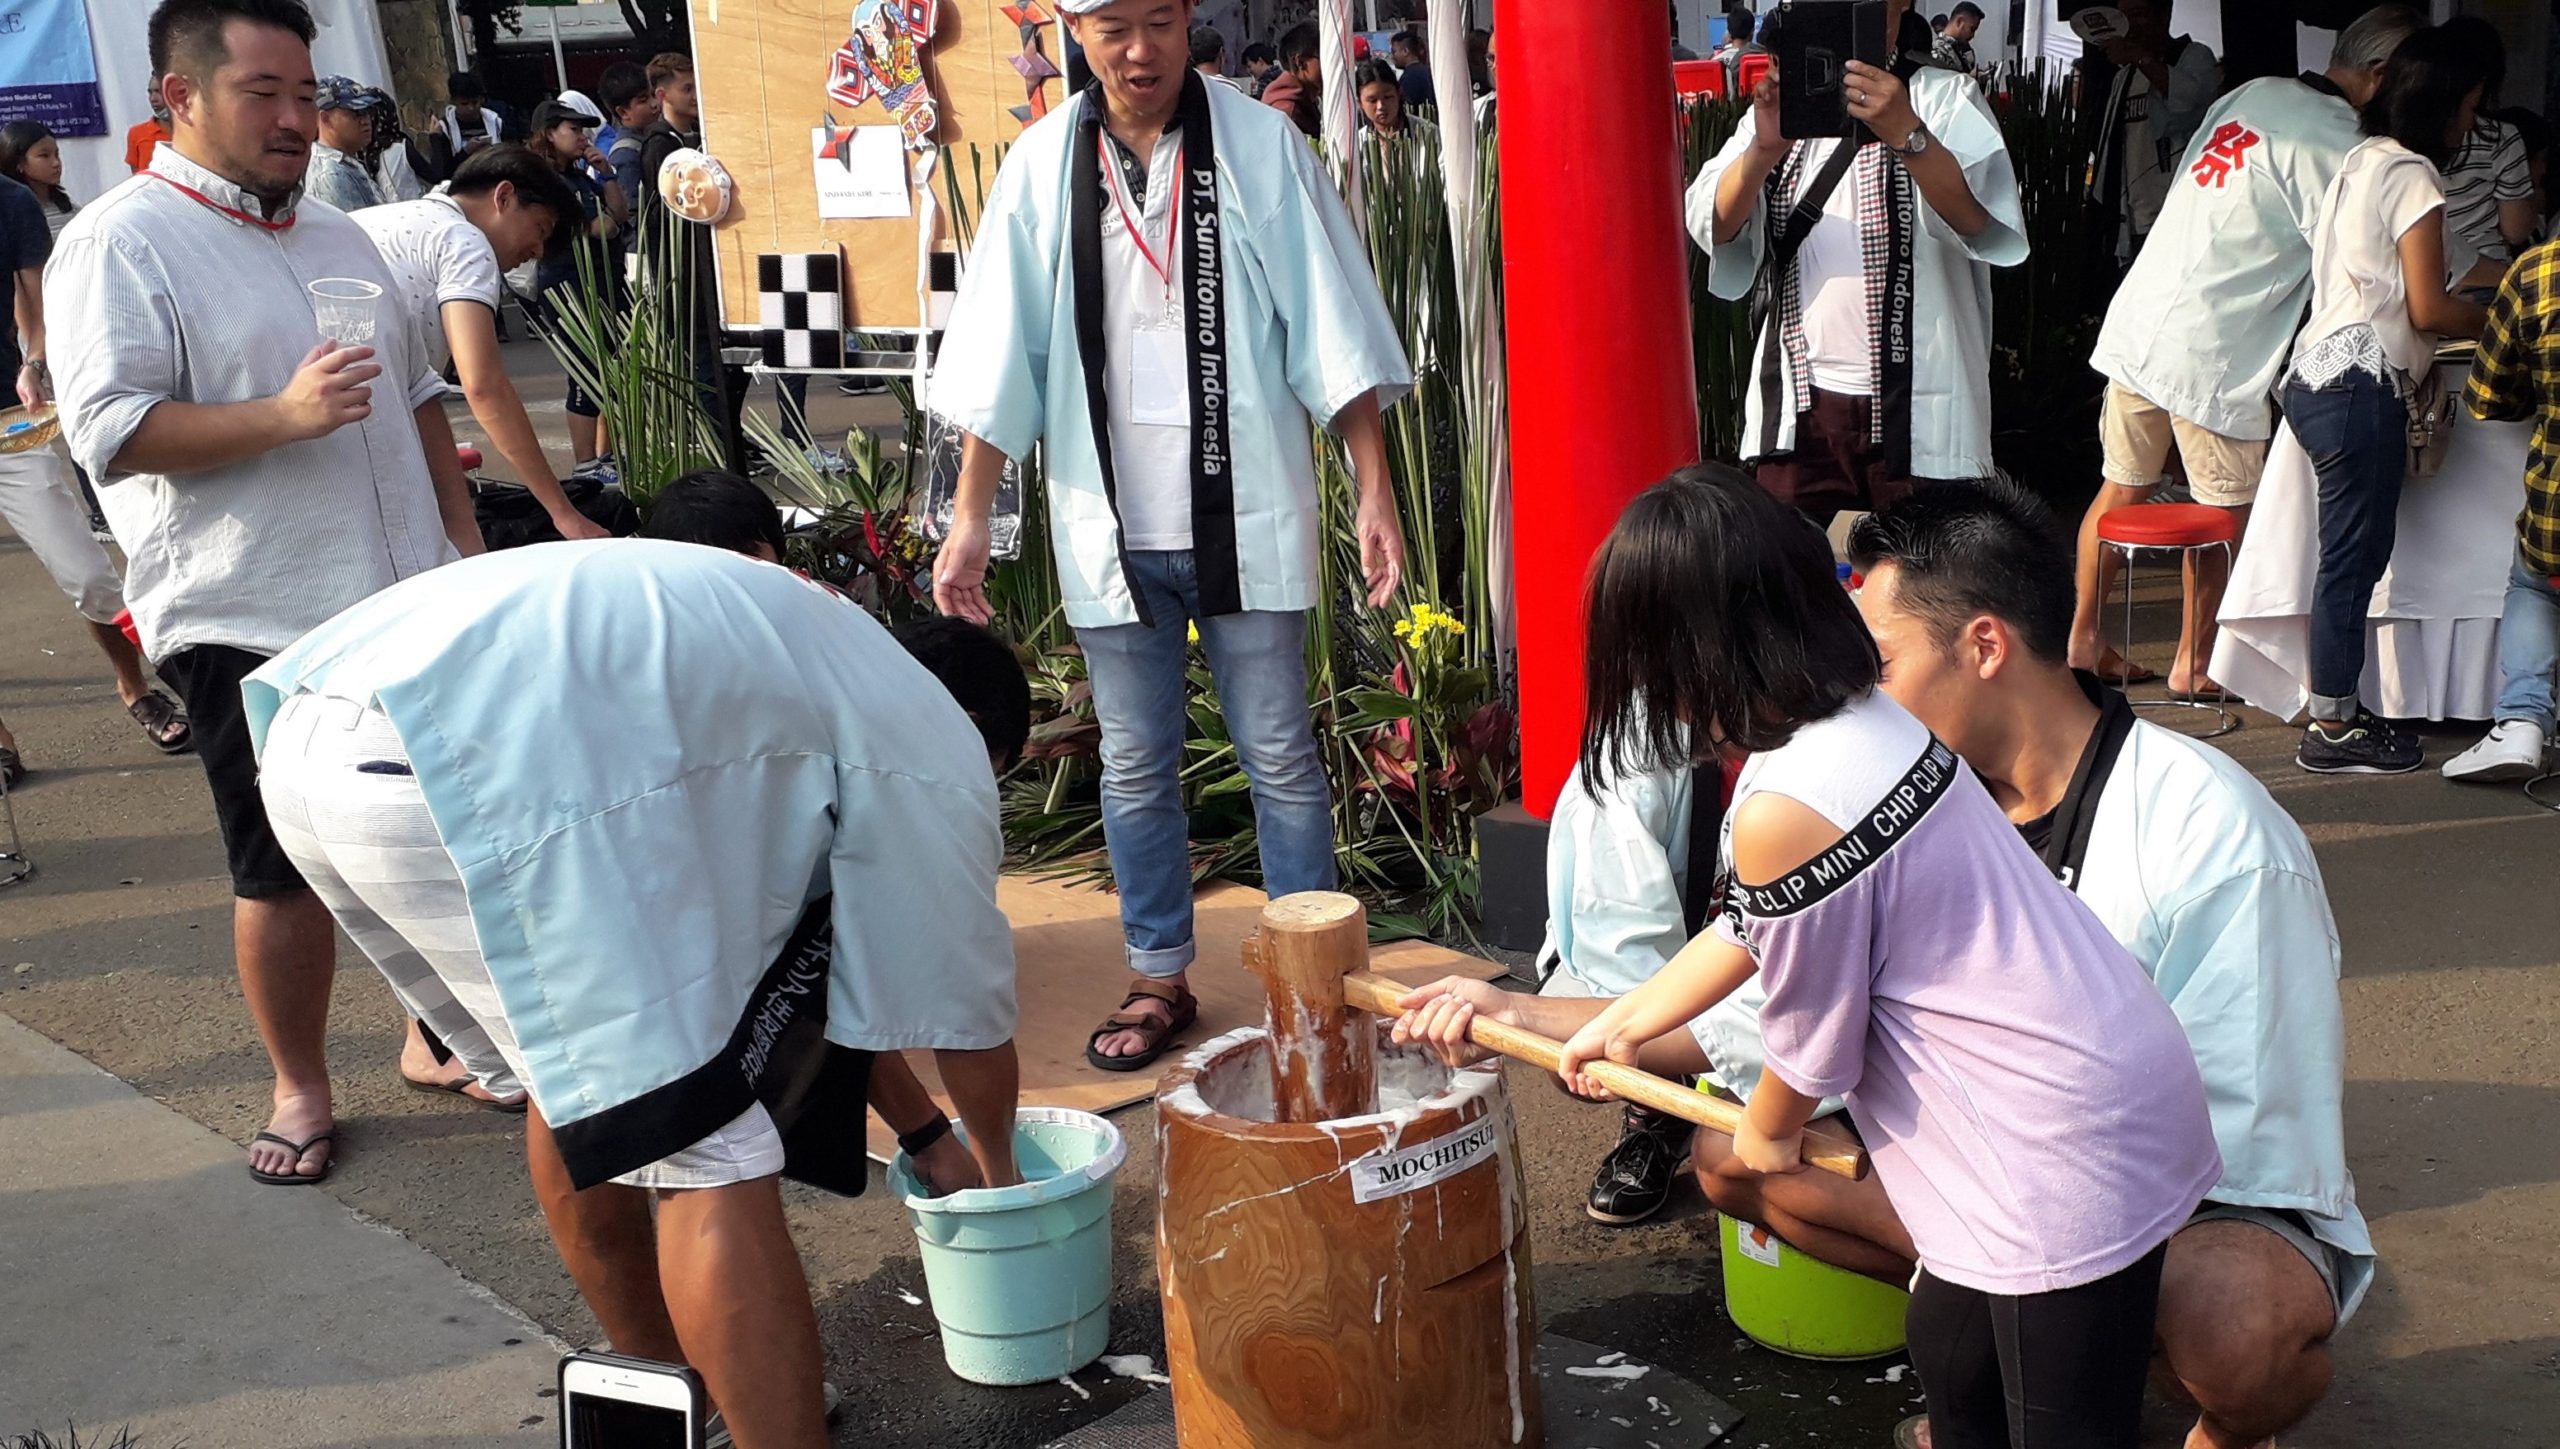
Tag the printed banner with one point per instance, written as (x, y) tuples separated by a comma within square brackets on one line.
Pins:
[(48, 70)]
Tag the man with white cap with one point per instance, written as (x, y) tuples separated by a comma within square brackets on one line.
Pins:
[(1165, 290)]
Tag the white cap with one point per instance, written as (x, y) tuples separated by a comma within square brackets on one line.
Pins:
[(1081, 7), (577, 101)]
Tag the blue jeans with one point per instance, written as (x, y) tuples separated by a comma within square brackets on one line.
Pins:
[(2357, 435), (2528, 648), (1260, 663)]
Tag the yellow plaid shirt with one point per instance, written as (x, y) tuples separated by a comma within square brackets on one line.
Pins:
[(2517, 376)]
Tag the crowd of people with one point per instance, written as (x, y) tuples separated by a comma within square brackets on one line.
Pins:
[(1901, 851)]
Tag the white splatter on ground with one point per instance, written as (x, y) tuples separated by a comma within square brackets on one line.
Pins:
[(1134, 1366)]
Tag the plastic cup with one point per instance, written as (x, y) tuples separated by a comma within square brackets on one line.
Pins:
[(345, 307)]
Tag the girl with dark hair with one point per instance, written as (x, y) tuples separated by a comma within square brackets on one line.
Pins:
[(2030, 1103), (30, 156), (1382, 106), (2381, 296)]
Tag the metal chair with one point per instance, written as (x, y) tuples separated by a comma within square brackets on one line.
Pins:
[(2185, 529), (14, 865)]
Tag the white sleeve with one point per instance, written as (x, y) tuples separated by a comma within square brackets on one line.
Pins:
[(1732, 266), (467, 269)]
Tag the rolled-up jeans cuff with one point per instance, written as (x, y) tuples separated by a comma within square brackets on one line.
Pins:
[(2333, 709), (1164, 962)]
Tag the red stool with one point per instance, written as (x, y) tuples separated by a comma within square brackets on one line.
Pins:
[(2185, 529)]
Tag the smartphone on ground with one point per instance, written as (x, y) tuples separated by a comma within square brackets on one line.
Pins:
[(608, 1401), (1815, 41)]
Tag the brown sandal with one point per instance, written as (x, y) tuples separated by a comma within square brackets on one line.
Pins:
[(1185, 1009)]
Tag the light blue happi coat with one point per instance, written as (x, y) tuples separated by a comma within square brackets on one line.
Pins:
[(1307, 335), (647, 761)]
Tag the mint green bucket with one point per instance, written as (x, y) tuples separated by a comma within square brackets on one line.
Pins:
[(1020, 1277)]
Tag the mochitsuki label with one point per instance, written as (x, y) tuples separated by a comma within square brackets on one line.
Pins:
[(1411, 1169)]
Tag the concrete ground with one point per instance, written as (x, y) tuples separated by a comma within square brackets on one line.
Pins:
[(119, 950)]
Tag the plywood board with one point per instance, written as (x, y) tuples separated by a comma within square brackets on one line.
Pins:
[(1071, 970), (762, 68)]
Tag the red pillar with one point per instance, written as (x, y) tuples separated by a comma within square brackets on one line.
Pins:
[(1603, 397)]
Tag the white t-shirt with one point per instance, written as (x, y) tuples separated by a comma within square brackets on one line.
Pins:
[(437, 256), (1146, 382), (2356, 282), (1840, 344)]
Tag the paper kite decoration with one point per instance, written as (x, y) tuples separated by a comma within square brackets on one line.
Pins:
[(884, 61), (1035, 67), (800, 308)]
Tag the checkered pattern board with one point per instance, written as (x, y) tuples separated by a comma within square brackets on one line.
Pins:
[(800, 308)]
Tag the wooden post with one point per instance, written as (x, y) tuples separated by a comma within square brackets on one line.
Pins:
[(1324, 1057)]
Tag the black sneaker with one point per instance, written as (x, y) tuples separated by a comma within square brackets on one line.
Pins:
[(2368, 746), (1637, 1176)]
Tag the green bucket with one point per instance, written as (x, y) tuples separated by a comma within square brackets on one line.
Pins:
[(1795, 1303), (1020, 1277)]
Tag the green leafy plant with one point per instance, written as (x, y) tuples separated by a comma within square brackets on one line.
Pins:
[(630, 349)]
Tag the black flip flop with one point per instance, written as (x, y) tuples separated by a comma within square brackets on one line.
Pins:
[(299, 1150), (12, 769), (168, 730), (1183, 1009), (461, 1089)]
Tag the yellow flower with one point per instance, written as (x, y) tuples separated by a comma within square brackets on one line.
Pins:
[(1195, 631)]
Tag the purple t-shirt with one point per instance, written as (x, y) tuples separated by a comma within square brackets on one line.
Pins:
[(2030, 1103)]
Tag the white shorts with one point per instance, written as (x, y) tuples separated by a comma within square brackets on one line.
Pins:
[(40, 501), (346, 809)]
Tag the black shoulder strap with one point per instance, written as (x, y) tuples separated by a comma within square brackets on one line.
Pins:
[(1698, 881), (1808, 209)]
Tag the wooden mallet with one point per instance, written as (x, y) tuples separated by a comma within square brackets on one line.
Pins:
[(1312, 954)]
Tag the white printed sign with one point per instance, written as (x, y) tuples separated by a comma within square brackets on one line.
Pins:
[(1411, 1169), (1758, 1244), (861, 173)]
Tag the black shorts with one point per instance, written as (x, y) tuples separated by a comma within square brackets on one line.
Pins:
[(207, 677)]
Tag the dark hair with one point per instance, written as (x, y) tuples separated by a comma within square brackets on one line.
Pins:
[(18, 138), (1300, 44), (1962, 550), (2486, 46), (622, 84), (983, 674), (1375, 72), (1261, 53), (666, 65), (1410, 39), (537, 181), (1739, 23), (1208, 47), (1965, 8), (1715, 613), (1938, 21), (2422, 92), (186, 35), (2533, 131), (721, 510), (465, 85)]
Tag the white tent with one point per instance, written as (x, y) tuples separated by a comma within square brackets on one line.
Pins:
[(350, 44)]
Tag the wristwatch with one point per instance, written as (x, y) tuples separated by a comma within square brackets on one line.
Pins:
[(1914, 144)]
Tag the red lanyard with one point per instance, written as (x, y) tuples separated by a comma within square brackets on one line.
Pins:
[(233, 212), (1172, 221)]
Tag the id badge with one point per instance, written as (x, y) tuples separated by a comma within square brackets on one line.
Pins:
[(1159, 391)]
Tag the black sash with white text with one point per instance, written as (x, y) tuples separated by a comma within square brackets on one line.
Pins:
[(1213, 493), (1902, 807)]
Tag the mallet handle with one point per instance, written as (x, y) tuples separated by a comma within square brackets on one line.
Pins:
[(1821, 1149)]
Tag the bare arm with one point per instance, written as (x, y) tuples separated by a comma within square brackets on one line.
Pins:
[(2433, 307), (1738, 189), (1374, 519), (984, 1087), (2516, 221), (1880, 100), (471, 330), (34, 387), (329, 391), (453, 491), (960, 568)]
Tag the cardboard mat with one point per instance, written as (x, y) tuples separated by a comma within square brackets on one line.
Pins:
[(1071, 970)]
